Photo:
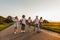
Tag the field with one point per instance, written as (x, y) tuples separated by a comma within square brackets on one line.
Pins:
[(5, 25), (52, 26)]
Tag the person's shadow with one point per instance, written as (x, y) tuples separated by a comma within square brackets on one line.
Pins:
[(22, 36)]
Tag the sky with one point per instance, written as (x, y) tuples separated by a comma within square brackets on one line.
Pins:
[(48, 9)]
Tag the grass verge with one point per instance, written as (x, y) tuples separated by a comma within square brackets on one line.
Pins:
[(5, 25)]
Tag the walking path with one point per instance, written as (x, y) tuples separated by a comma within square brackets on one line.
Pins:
[(8, 34)]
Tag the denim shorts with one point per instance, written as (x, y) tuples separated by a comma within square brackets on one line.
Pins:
[(36, 25), (29, 24), (23, 27)]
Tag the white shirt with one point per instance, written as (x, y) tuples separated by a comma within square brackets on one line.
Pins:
[(36, 21), (23, 20), (29, 20), (15, 22)]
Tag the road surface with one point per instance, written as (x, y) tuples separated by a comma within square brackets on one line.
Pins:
[(7, 34)]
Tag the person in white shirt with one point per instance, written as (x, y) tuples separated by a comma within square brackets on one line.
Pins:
[(41, 22), (36, 21), (29, 23), (23, 24), (15, 24)]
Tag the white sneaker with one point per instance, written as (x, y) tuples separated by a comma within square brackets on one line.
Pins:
[(24, 31), (21, 30), (14, 32)]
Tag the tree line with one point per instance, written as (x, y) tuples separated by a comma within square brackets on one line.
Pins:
[(8, 19)]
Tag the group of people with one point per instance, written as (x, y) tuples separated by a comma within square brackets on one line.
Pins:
[(37, 23)]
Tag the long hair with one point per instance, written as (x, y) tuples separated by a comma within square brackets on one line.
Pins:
[(40, 17), (16, 17), (29, 18)]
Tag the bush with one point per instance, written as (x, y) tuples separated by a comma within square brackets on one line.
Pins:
[(45, 21), (2, 19), (8, 19)]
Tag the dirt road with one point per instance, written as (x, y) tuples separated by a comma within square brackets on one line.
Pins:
[(8, 34)]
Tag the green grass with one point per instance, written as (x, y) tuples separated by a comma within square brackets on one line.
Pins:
[(5, 25), (52, 26)]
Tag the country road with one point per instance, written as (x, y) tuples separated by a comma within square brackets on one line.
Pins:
[(7, 34)]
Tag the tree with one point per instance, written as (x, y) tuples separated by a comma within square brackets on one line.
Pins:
[(45, 21), (2, 19), (9, 19)]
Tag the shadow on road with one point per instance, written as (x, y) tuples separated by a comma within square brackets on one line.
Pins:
[(22, 36)]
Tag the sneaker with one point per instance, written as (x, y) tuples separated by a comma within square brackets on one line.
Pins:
[(14, 32), (21, 30), (24, 31)]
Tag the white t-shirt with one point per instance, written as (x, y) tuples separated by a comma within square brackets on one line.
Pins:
[(23, 20), (29, 20), (15, 22), (36, 21)]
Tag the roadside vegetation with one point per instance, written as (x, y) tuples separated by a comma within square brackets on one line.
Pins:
[(52, 26), (5, 22)]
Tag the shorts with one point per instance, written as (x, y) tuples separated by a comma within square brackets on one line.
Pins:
[(36, 25), (23, 27), (15, 24)]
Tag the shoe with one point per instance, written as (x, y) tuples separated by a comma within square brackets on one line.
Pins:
[(14, 32), (24, 31), (21, 30)]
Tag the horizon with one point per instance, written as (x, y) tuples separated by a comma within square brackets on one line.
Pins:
[(48, 9), (31, 18)]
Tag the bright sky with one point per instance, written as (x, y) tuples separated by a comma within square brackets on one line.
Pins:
[(48, 9)]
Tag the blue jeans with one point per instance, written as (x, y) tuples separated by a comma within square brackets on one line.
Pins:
[(29, 25), (36, 25)]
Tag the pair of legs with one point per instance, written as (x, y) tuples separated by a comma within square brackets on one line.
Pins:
[(29, 27), (36, 26), (40, 24), (15, 30), (23, 28)]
